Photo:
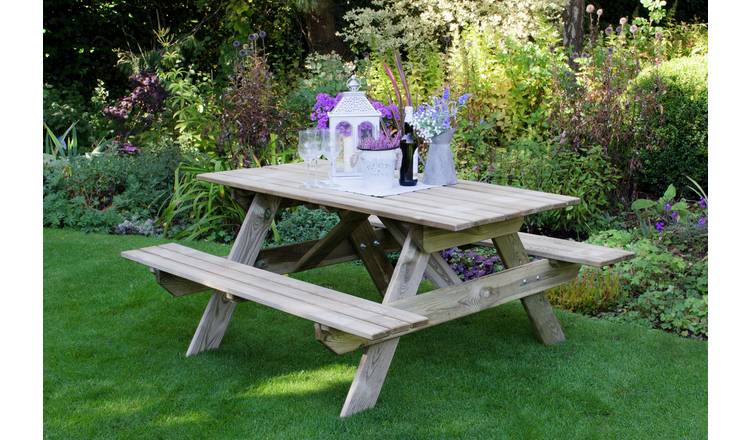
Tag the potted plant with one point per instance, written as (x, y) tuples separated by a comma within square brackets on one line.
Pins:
[(377, 160), (435, 123)]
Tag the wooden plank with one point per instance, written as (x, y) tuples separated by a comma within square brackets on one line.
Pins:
[(283, 259), (438, 271), (285, 181), (572, 251), (434, 239), (349, 221), (337, 315), (266, 282), (568, 250), (371, 252), (473, 296), (374, 364), (215, 319), (281, 182), (538, 309), (177, 286)]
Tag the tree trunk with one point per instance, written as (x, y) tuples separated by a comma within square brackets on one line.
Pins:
[(573, 29), (320, 28)]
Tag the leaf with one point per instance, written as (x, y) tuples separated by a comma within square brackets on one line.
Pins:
[(669, 193), (641, 204)]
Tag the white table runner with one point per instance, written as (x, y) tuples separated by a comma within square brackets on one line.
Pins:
[(357, 185)]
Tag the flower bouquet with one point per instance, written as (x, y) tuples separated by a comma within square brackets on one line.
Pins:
[(435, 123)]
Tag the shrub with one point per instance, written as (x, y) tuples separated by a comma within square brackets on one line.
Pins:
[(680, 132), (252, 117), (97, 193), (594, 291), (302, 224), (585, 174), (666, 289), (324, 73), (199, 209)]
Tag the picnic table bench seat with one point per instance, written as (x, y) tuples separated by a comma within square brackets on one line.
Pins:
[(558, 249), (347, 313)]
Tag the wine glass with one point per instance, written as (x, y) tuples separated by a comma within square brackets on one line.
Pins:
[(331, 153), (309, 150)]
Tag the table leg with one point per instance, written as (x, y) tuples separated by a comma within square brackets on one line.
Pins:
[(370, 251), (373, 366), (546, 326), (438, 271), (245, 250), (348, 222)]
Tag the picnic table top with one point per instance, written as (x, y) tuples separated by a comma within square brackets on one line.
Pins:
[(454, 208)]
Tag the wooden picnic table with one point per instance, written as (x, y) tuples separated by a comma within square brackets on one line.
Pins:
[(418, 224)]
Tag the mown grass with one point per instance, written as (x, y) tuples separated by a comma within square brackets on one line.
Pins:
[(114, 367)]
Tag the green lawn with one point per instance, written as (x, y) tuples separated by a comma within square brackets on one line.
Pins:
[(114, 367)]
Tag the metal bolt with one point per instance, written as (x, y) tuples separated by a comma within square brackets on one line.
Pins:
[(524, 281), (362, 246), (538, 277), (376, 243)]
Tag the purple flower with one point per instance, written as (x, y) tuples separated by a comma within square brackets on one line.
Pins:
[(667, 206), (446, 94), (236, 43), (463, 98), (659, 226), (324, 103), (344, 128), (385, 141), (128, 148), (675, 216), (262, 34), (252, 37), (702, 221), (703, 203)]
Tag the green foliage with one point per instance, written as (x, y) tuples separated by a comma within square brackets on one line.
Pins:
[(680, 131), (324, 73), (667, 289), (61, 147), (412, 24), (96, 193), (586, 174), (199, 209), (302, 224), (594, 291), (64, 108), (509, 80)]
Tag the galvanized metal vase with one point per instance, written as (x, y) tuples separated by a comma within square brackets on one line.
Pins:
[(439, 168)]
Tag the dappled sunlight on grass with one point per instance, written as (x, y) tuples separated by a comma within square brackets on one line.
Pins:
[(303, 382), (190, 417)]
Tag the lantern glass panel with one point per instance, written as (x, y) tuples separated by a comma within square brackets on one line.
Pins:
[(344, 137), (365, 131)]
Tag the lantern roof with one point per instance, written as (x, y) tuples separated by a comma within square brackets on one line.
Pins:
[(354, 102)]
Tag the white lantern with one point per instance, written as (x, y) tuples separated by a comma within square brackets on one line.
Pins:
[(353, 119)]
